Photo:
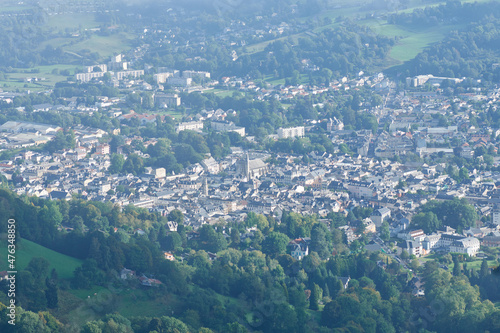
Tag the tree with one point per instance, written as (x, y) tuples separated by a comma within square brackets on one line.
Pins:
[(134, 164), (173, 241), (117, 162), (485, 270), (427, 221), (385, 233), (315, 297), (235, 237), (457, 267), (405, 255), (320, 240), (275, 243), (51, 294), (176, 216)]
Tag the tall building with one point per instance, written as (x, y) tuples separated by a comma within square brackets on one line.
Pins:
[(251, 169)]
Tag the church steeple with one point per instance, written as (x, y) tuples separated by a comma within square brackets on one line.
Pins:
[(247, 166), (205, 186)]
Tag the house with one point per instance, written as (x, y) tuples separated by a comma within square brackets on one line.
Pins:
[(212, 256), (169, 256), (299, 248), (380, 215), (59, 195), (369, 226), (172, 226), (148, 282), (126, 274), (345, 281)]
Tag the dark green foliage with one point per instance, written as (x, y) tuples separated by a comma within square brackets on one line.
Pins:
[(456, 213), (275, 244)]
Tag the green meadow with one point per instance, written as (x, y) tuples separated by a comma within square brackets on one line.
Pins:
[(27, 250)]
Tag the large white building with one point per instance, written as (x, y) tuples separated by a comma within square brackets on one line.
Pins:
[(86, 77), (190, 125), (469, 245), (361, 189), (291, 132), (227, 126)]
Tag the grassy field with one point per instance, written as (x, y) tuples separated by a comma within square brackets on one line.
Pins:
[(476, 264), (414, 40), (14, 81), (26, 250), (106, 46), (259, 47)]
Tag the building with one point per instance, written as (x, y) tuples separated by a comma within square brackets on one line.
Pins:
[(103, 149), (86, 77), (23, 126), (102, 68), (361, 189), (167, 100), (117, 63), (162, 77), (227, 126), (496, 216), (345, 281), (431, 241), (420, 80), (334, 125), (129, 74), (469, 246), (414, 247), (189, 126), (370, 227), (380, 215), (251, 168), (169, 256), (196, 74), (491, 241), (299, 248), (291, 132), (179, 81), (211, 165)]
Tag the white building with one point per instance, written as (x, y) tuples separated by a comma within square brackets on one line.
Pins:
[(380, 215), (211, 165), (334, 125), (227, 126), (196, 74), (291, 132), (190, 125), (361, 189), (299, 248), (86, 77), (496, 216), (469, 245)]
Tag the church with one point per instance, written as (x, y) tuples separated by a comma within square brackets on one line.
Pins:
[(251, 169)]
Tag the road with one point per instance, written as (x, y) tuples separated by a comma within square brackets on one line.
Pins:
[(388, 251)]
